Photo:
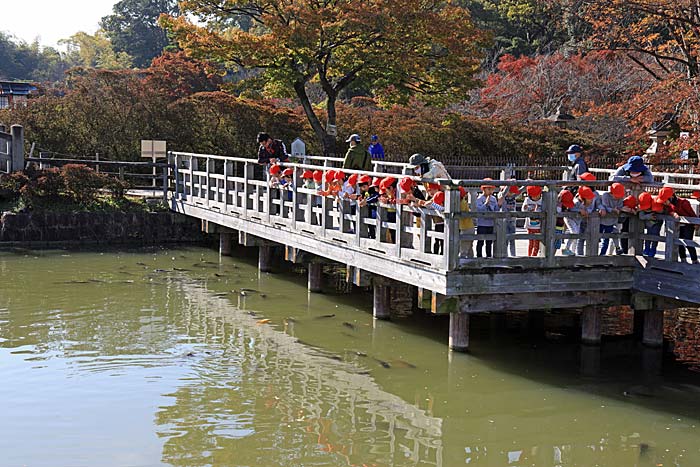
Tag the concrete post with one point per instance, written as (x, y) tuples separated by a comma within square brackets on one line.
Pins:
[(653, 328), (315, 277), (638, 324), (265, 258), (17, 147), (590, 325), (225, 244), (459, 332), (382, 301)]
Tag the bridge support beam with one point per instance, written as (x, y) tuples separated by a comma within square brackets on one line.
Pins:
[(315, 277), (265, 258), (382, 300), (590, 325), (459, 332), (653, 328), (225, 247)]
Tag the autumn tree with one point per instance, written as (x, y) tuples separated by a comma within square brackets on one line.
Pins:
[(175, 75), (394, 48), (94, 51)]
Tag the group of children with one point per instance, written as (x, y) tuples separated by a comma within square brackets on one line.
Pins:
[(363, 190)]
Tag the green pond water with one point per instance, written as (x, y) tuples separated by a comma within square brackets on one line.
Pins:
[(155, 357)]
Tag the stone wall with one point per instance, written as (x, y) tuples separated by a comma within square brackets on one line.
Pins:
[(99, 228)]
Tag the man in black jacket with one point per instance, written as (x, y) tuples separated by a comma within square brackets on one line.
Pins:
[(271, 150)]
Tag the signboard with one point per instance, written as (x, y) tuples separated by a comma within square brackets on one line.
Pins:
[(298, 147), (153, 149)]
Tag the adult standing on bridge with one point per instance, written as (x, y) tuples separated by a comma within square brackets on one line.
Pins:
[(271, 150), (376, 150), (356, 158), (578, 163), (425, 167), (634, 171)]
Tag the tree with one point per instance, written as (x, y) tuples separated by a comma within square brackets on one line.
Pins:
[(94, 51), (23, 61), (395, 48), (134, 30), (175, 75)]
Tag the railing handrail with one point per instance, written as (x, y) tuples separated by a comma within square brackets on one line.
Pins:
[(100, 162)]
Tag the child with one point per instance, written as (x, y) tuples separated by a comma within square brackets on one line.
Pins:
[(332, 184), (682, 207), (533, 203), (387, 190), (274, 179), (588, 202), (565, 203), (368, 196), (437, 203), (308, 179), (486, 202), (653, 226), (318, 179), (611, 204), (287, 179), (506, 198)]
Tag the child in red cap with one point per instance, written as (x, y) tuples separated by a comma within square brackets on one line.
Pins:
[(629, 207), (533, 203), (682, 207), (653, 225), (368, 195), (611, 203), (308, 178), (275, 174), (587, 203), (565, 203)]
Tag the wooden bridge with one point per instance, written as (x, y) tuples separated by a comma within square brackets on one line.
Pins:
[(421, 247)]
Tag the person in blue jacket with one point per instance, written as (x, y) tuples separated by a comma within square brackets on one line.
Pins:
[(375, 148), (578, 163), (634, 171)]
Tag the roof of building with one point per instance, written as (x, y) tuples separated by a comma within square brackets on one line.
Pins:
[(16, 88)]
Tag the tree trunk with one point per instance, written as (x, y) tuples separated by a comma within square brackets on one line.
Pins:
[(319, 131), (329, 146)]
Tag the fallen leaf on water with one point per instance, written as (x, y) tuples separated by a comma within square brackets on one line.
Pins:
[(263, 321)]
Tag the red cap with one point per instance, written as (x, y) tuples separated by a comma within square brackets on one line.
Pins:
[(534, 191), (364, 179), (432, 186), (339, 175), (376, 181), (585, 192), (588, 177), (617, 190), (486, 185), (439, 198), (288, 172), (406, 184), (566, 198), (666, 193), (318, 175), (514, 189), (630, 202), (462, 192), (696, 194), (645, 200), (352, 179), (657, 204), (330, 176), (386, 183), (307, 174), (275, 169)]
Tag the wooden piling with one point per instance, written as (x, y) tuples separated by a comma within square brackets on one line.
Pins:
[(653, 328), (225, 244), (382, 301), (315, 277), (459, 332), (265, 258), (590, 325)]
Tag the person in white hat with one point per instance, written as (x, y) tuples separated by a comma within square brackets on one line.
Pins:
[(357, 158)]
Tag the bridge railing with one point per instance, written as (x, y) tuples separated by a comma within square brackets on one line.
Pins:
[(408, 234)]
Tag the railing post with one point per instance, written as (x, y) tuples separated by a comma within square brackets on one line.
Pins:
[(97, 161), (17, 132), (246, 187), (500, 246), (451, 242), (636, 230), (165, 180), (672, 234), (593, 235), (361, 229), (549, 224)]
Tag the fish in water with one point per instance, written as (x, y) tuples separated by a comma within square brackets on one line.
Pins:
[(249, 290), (360, 354), (141, 264), (325, 316), (181, 270), (349, 325), (262, 295), (219, 275), (262, 321), (402, 363), (160, 270), (382, 363)]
